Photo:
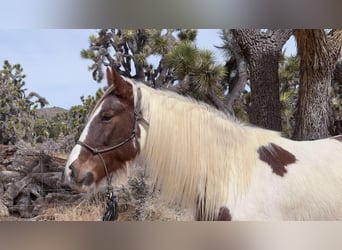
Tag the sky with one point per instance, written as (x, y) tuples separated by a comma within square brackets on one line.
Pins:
[(54, 68)]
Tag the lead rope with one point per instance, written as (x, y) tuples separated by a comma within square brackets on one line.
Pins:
[(112, 208)]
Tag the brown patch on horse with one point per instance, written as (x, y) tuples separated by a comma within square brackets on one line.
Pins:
[(224, 214), (339, 138), (276, 157)]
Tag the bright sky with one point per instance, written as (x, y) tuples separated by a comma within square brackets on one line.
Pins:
[(53, 66)]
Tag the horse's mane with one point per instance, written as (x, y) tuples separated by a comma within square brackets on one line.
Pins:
[(195, 153)]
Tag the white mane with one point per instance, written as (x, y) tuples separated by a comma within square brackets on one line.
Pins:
[(195, 153)]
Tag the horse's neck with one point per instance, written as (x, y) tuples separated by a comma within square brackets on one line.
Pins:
[(193, 151)]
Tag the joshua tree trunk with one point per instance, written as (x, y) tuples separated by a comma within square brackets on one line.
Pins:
[(262, 50), (319, 53), (239, 82), (338, 73)]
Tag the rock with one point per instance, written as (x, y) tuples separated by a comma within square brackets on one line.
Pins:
[(24, 206), (14, 189), (62, 198), (6, 162), (3, 210), (52, 180), (30, 181), (10, 176), (39, 206)]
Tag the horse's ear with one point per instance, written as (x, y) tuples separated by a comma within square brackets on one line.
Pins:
[(121, 87), (109, 75)]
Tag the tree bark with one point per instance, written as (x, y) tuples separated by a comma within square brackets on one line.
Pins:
[(241, 65), (319, 53), (262, 50), (338, 73)]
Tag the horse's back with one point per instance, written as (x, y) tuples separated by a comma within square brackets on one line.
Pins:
[(308, 188)]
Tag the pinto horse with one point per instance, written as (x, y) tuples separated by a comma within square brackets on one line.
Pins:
[(206, 160)]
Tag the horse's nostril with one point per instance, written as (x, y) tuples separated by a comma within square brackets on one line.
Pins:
[(75, 177), (88, 179)]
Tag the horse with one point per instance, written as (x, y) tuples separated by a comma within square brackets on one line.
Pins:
[(204, 159)]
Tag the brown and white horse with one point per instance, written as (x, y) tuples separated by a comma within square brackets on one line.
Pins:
[(205, 160)]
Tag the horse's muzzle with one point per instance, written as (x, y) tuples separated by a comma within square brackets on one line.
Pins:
[(69, 177)]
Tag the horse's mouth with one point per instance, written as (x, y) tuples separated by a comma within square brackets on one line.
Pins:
[(83, 188), (84, 185), (87, 180)]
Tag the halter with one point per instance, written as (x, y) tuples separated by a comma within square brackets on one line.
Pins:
[(111, 199)]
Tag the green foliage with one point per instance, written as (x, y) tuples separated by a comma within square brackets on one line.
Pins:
[(78, 115), (289, 84), (70, 123), (187, 35), (17, 110), (241, 106), (337, 104), (158, 44), (40, 101), (337, 100), (18, 117), (182, 59), (186, 68), (204, 76), (140, 59), (41, 130)]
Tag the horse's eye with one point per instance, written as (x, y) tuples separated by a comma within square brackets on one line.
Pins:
[(106, 117)]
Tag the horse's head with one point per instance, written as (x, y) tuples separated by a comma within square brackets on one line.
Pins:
[(110, 139)]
